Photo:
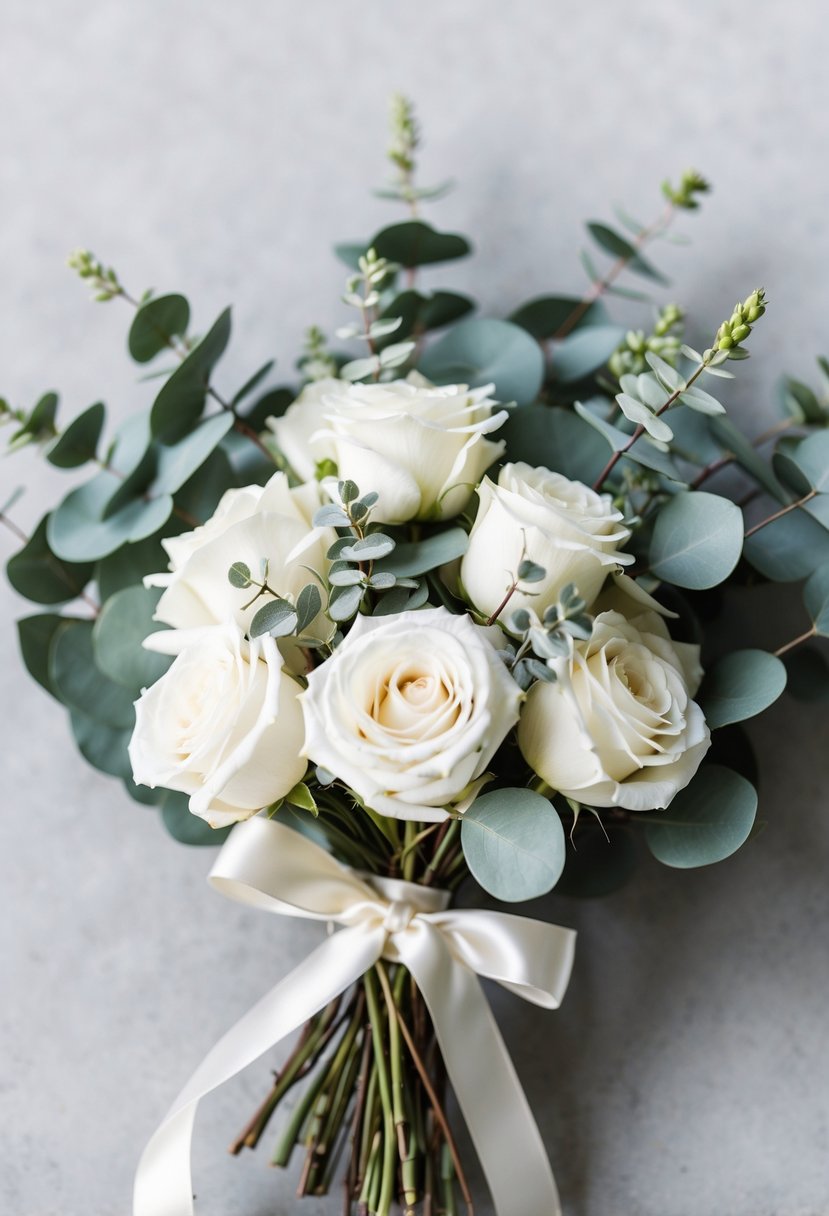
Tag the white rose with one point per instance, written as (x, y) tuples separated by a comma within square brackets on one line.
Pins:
[(423, 449), (223, 724), (267, 528), (564, 526), (619, 728), (297, 432), (409, 711)]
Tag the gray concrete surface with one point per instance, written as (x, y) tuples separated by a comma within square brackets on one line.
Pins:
[(220, 149)]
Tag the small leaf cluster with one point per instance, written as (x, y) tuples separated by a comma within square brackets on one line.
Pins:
[(405, 141), (363, 293), (352, 573), (684, 196), (101, 279), (316, 362), (543, 643), (630, 357), (280, 616), (32, 426)]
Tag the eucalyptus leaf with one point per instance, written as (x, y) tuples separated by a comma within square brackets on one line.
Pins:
[(102, 746), (415, 243), (344, 602), (80, 684), (556, 438), (127, 566), (178, 462), (816, 599), (35, 634), (155, 324), (513, 842), (412, 558), (618, 247), (277, 617), (641, 452), (706, 822), (179, 405), (726, 433), (790, 548), (487, 351), (810, 459), (741, 685), (543, 316), (585, 351), (38, 574), (697, 540), (184, 826), (78, 531), (79, 442), (124, 622)]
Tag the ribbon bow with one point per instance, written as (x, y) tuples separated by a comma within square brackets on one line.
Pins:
[(271, 867)]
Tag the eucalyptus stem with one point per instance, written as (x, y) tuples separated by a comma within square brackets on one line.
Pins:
[(798, 641), (401, 1124), (792, 506), (387, 1175)]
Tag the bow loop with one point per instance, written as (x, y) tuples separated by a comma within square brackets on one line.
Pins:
[(268, 866)]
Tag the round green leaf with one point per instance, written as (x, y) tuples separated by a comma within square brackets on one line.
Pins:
[(806, 467), (545, 315), (556, 438), (128, 565), (80, 531), (102, 746), (414, 243), (79, 442), (487, 351), (706, 822), (155, 323), (80, 684), (618, 247), (184, 826), (125, 620), (790, 548), (697, 540), (418, 557), (585, 351), (816, 599), (740, 686), (35, 635), (177, 463), (513, 842), (38, 574)]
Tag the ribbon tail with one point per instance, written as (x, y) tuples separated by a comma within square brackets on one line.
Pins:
[(489, 1093), (163, 1185)]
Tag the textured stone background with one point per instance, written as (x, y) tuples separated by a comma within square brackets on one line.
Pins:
[(220, 149)]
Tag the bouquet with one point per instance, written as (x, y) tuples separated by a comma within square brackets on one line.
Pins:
[(448, 612)]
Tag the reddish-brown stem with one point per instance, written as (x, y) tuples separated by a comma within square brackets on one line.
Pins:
[(792, 506), (803, 637), (598, 288)]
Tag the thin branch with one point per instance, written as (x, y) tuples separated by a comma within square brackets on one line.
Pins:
[(803, 637), (792, 506)]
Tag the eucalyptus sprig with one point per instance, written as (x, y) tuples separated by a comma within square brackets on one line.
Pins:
[(363, 292), (665, 340), (316, 361), (403, 146), (279, 616), (542, 644)]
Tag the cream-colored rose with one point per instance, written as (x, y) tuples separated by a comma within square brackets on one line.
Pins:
[(619, 727), (409, 711), (223, 724), (298, 432), (269, 529), (561, 525), (423, 449)]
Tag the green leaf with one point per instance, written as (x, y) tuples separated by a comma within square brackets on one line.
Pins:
[(35, 634), (414, 243), (117, 636), (179, 405), (38, 574), (513, 842), (253, 382), (102, 746), (200, 496), (155, 324), (483, 351), (585, 351), (697, 540), (370, 548), (142, 794), (277, 617), (179, 462), (79, 442), (816, 599), (557, 439), (184, 826), (42, 417), (79, 532), (308, 605), (421, 313), (344, 602), (642, 452), (790, 548), (127, 566), (807, 466), (272, 404), (611, 242), (239, 576), (544, 316), (724, 430), (300, 796), (706, 822), (80, 684), (741, 685), (417, 557)]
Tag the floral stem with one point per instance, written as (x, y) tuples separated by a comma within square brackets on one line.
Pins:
[(387, 1176), (798, 641), (792, 506), (601, 286), (640, 430)]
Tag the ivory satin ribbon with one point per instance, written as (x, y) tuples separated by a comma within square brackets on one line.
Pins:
[(273, 868)]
